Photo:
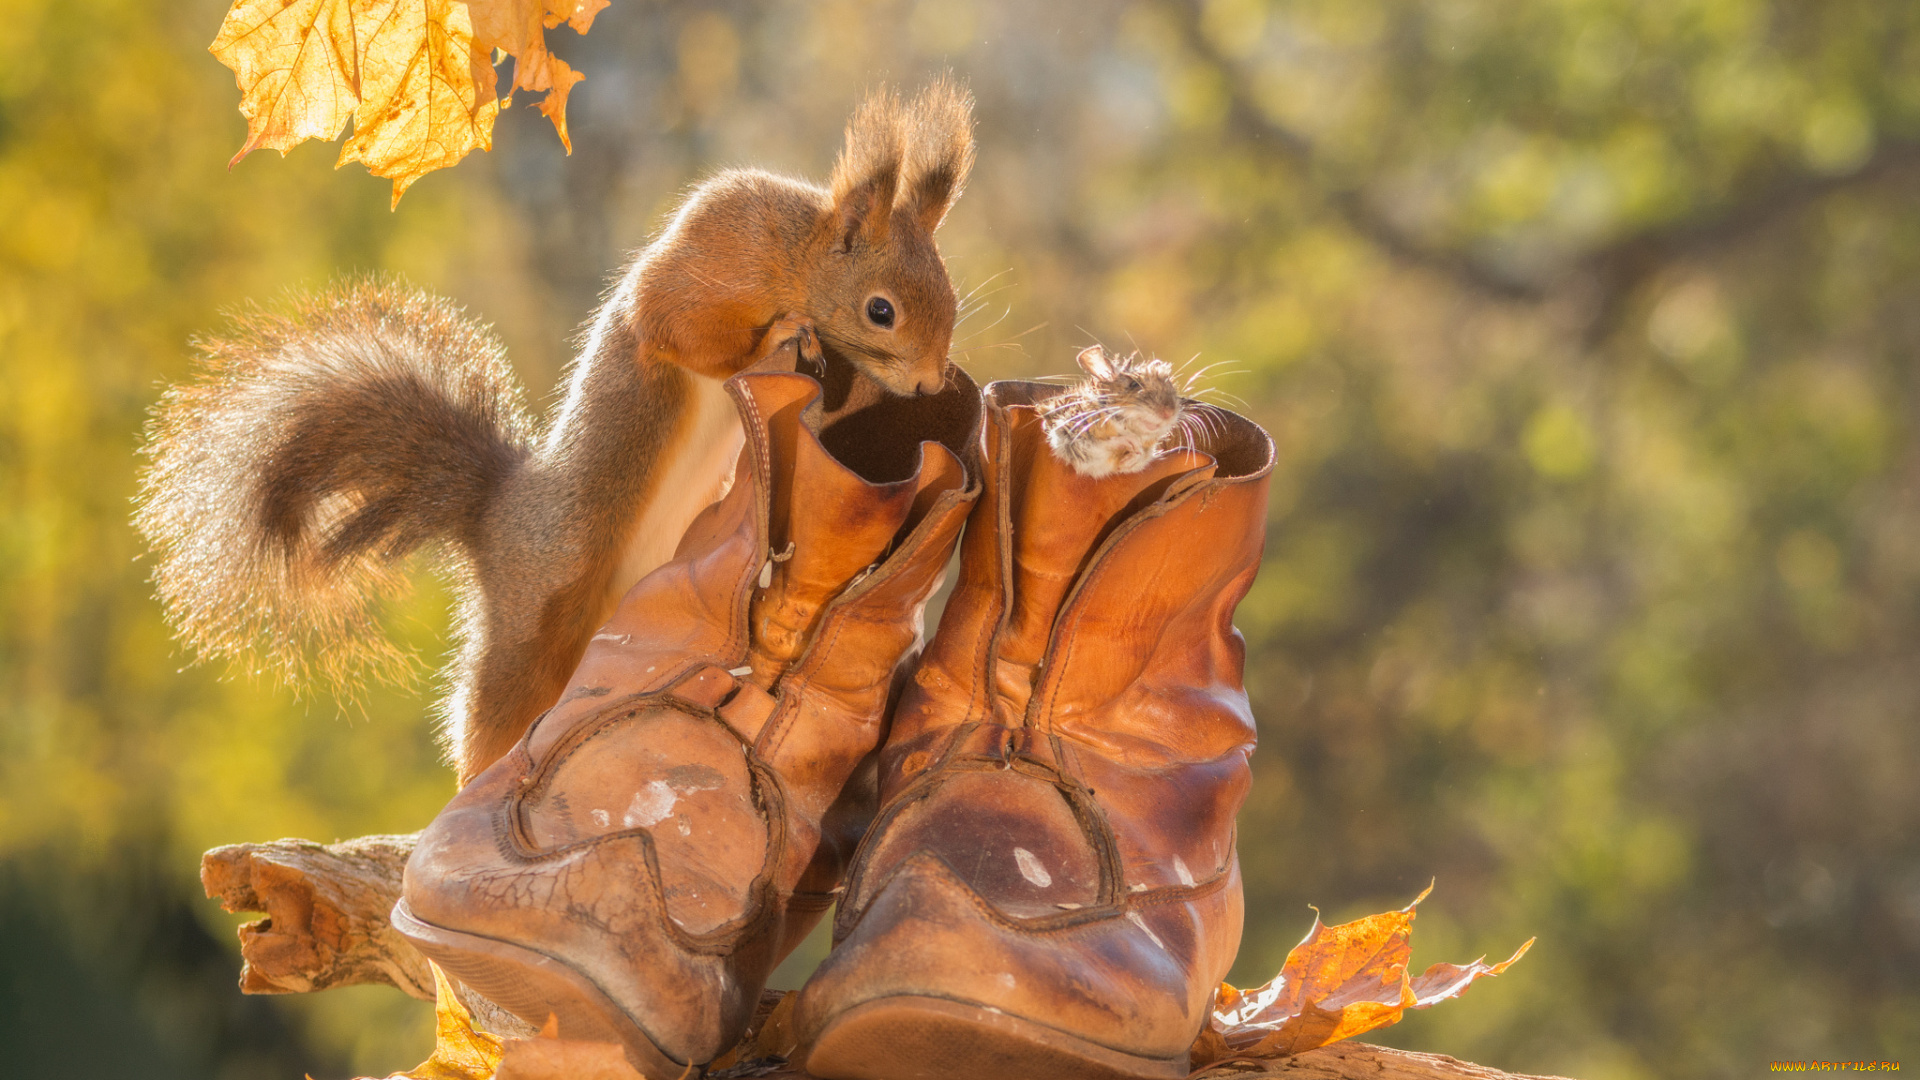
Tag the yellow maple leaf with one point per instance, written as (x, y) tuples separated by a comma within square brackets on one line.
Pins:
[(1340, 981), (298, 67), (415, 76), (518, 28), (427, 95), (459, 1051)]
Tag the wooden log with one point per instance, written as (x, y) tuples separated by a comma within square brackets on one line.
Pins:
[(326, 925), (1341, 1061), (326, 911), (1351, 1060)]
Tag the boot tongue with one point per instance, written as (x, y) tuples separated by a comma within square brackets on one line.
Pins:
[(1059, 518), (828, 527)]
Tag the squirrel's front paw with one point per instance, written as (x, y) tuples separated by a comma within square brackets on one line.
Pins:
[(792, 330)]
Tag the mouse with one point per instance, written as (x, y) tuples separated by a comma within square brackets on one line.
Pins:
[(1115, 419)]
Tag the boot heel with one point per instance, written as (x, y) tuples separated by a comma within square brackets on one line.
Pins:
[(533, 986)]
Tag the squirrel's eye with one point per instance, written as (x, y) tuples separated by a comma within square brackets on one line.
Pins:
[(1133, 383), (880, 310)]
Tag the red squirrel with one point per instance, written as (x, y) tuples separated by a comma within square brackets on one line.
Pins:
[(323, 444)]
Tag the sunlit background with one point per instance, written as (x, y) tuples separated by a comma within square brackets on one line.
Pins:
[(1586, 329)]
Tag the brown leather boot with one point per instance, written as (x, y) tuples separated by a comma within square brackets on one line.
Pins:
[(666, 834), (1050, 888)]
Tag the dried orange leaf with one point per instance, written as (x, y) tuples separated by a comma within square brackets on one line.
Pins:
[(459, 1051), (415, 76), (1443, 981), (1339, 982)]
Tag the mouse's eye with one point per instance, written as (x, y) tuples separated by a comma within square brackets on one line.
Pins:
[(1133, 383), (880, 311)]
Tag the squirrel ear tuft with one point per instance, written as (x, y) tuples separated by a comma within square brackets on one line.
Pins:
[(939, 137), (867, 175)]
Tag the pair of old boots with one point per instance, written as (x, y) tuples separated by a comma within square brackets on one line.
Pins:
[(1029, 829)]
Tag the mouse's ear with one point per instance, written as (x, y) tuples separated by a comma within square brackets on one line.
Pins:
[(939, 133), (1095, 362), (867, 175)]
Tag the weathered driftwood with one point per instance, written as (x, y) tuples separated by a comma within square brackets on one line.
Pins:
[(326, 926), (326, 907), (326, 923)]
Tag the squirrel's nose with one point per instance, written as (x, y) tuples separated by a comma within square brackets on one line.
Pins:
[(930, 384)]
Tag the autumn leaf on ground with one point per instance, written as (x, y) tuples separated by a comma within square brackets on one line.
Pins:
[(1339, 982), (415, 76), (459, 1051)]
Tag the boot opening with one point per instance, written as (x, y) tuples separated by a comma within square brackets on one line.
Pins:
[(881, 441)]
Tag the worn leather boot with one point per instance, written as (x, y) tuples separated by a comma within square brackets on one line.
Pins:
[(669, 831), (1050, 888)]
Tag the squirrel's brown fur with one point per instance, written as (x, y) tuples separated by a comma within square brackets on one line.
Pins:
[(325, 443)]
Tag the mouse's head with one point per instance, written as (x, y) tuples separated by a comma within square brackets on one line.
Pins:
[(1116, 420), (1140, 386), (880, 296)]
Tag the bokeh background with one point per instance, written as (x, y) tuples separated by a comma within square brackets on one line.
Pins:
[(1586, 329)]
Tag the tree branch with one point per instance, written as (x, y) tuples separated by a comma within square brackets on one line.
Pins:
[(1351, 1061), (327, 926), (1619, 266), (326, 909), (1622, 266), (1249, 121)]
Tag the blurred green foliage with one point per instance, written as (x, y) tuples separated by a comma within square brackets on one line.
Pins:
[(1586, 329)]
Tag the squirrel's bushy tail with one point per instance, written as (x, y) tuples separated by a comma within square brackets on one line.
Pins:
[(320, 446)]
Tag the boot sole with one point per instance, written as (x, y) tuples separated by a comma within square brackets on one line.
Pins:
[(534, 986), (926, 1038)]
